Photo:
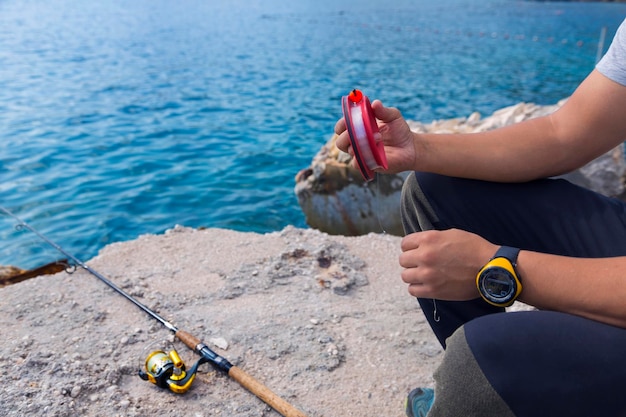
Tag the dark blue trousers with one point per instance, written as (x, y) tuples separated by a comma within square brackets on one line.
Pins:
[(541, 363)]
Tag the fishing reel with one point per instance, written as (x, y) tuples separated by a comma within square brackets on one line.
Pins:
[(167, 370)]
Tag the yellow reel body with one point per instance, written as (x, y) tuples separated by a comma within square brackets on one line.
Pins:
[(167, 370)]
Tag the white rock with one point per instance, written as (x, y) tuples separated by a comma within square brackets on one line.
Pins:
[(219, 342)]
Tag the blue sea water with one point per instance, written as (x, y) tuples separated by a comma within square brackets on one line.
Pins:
[(120, 118)]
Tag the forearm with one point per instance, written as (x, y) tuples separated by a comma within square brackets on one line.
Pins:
[(587, 125), (592, 288), (515, 153)]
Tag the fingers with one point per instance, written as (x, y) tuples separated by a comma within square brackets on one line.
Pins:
[(412, 241), (385, 114), (382, 113), (419, 291), (343, 143), (418, 286), (423, 282), (340, 126), (418, 272), (409, 259)]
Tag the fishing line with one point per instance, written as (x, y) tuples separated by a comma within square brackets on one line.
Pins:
[(377, 199), (166, 370), (369, 153)]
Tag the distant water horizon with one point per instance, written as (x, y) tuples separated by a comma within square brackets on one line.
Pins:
[(119, 119)]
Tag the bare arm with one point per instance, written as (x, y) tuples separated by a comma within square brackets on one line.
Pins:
[(590, 123), (592, 288)]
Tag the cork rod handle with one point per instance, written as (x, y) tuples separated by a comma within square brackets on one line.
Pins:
[(188, 339), (264, 393), (248, 382)]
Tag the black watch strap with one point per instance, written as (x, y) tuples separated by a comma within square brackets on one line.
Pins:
[(509, 253)]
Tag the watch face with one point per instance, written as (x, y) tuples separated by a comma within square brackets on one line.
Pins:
[(498, 285)]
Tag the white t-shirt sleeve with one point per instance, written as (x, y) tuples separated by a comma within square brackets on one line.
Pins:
[(613, 63)]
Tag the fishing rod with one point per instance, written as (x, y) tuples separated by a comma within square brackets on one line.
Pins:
[(167, 370)]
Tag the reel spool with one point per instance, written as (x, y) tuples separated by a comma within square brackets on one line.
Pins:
[(362, 128), (169, 371)]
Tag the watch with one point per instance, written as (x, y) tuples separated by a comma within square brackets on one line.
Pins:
[(498, 282)]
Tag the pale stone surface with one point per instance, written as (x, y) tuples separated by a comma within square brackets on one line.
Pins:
[(323, 321)]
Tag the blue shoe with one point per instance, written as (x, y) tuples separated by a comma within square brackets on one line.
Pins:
[(419, 401)]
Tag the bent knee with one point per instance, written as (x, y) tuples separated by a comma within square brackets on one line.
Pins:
[(461, 387)]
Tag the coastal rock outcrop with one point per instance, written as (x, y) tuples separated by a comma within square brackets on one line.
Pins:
[(336, 200), (10, 274)]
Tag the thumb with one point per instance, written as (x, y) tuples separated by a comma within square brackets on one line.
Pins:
[(385, 114)]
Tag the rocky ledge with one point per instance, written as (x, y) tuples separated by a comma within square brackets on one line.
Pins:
[(336, 200)]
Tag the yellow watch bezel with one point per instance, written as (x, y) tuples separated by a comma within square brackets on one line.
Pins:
[(503, 263)]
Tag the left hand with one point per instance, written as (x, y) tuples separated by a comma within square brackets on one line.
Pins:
[(443, 264), (397, 137)]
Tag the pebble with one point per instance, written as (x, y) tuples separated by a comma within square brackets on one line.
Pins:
[(26, 342), (220, 342), (45, 354), (75, 391)]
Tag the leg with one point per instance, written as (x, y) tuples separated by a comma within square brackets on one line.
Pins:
[(552, 216), (462, 388), (532, 364)]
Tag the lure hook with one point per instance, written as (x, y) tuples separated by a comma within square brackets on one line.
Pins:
[(436, 316)]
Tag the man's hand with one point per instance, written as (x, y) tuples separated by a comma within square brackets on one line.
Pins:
[(444, 264), (395, 135)]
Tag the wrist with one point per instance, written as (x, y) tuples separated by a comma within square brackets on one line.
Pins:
[(419, 152), (498, 282)]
